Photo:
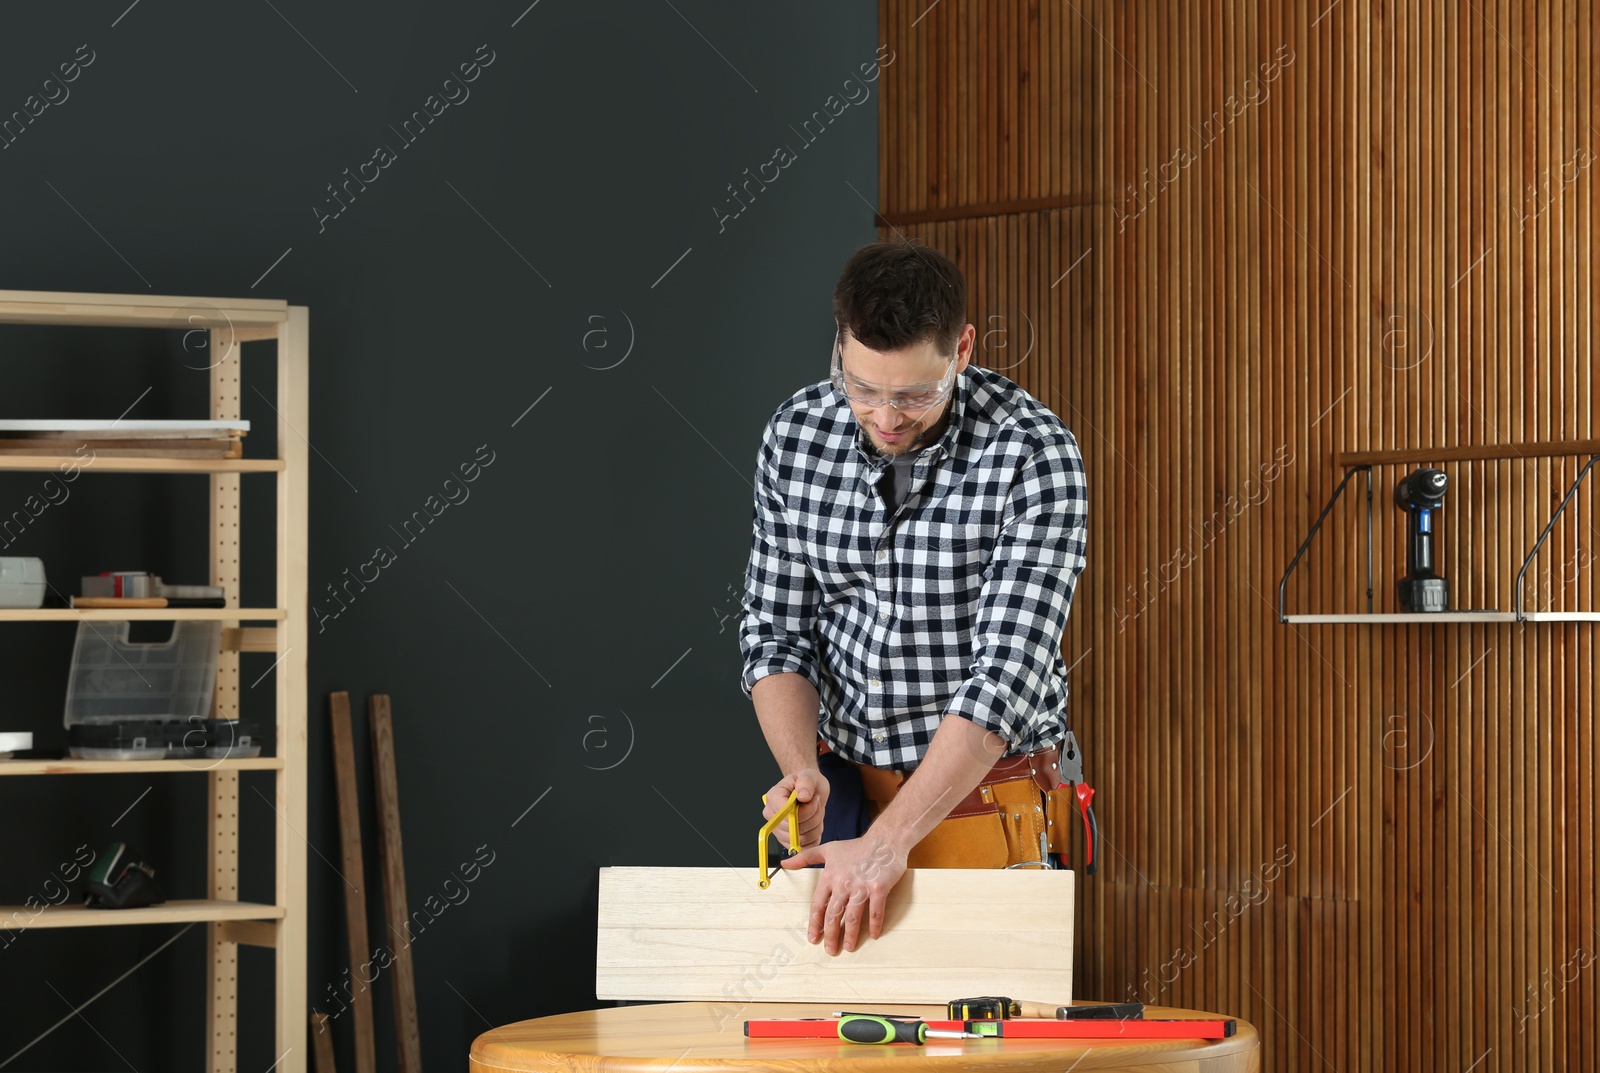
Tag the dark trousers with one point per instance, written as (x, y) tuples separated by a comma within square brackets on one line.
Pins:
[(845, 815)]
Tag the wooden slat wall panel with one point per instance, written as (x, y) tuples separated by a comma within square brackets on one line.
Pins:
[(1378, 843)]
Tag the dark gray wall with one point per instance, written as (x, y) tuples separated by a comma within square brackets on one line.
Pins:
[(566, 634)]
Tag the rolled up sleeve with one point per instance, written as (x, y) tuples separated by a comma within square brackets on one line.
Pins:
[(1026, 595), (777, 628)]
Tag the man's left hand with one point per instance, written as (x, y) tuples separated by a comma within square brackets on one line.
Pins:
[(857, 875)]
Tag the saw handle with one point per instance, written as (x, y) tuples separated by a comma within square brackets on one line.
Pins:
[(791, 811)]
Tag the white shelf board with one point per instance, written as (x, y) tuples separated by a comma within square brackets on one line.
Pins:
[(1447, 616), (1409, 616), (124, 429)]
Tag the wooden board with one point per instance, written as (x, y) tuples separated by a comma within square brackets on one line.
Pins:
[(142, 463), (392, 862), (244, 318), (118, 429), (222, 825), (140, 614), (713, 934), (87, 452), (178, 911), (128, 767), (355, 876), (322, 1044), (293, 413), (1468, 453)]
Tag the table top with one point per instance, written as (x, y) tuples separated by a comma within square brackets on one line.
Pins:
[(708, 1037)]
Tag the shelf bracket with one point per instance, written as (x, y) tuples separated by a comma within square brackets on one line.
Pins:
[(249, 638), (248, 932), (1283, 583), (1545, 535)]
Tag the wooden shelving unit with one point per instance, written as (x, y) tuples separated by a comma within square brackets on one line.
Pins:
[(231, 923)]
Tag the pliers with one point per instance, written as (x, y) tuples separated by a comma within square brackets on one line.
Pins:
[(1072, 772)]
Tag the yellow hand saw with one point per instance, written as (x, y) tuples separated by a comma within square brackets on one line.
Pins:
[(791, 812)]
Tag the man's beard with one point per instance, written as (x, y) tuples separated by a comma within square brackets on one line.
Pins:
[(904, 448)]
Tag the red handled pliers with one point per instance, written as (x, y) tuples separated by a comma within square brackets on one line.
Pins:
[(1072, 772)]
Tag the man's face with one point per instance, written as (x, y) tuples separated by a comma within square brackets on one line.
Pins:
[(889, 373)]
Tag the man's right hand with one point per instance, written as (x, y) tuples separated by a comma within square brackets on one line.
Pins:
[(812, 789)]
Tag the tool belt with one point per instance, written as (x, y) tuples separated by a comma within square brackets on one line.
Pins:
[(1018, 813)]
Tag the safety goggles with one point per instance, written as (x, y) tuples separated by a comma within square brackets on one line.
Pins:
[(911, 398)]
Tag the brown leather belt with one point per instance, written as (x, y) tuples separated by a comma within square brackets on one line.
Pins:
[(1042, 766), (1020, 814)]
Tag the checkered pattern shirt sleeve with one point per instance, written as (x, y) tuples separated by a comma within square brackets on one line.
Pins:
[(780, 598), (1026, 594), (954, 603)]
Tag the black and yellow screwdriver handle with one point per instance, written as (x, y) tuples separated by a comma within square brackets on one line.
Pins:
[(860, 1028)]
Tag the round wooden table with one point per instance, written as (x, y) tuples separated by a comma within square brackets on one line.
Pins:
[(708, 1037)]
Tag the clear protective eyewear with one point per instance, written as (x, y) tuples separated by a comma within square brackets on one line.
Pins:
[(912, 398)]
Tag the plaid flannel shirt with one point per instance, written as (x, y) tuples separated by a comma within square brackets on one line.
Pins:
[(955, 605)]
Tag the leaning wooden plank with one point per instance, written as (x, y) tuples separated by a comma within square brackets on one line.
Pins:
[(355, 879), (322, 1043), (403, 983), (713, 934)]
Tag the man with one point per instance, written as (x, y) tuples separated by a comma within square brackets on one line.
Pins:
[(919, 529)]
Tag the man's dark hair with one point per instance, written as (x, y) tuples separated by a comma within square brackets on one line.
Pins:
[(896, 294)]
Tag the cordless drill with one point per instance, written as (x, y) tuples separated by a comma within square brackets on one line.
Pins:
[(1419, 495)]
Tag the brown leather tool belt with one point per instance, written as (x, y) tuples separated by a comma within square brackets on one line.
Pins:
[(999, 824)]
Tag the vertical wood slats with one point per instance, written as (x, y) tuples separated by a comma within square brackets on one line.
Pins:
[(1388, 247)]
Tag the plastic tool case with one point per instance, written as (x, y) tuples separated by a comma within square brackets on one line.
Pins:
[(146, 700)]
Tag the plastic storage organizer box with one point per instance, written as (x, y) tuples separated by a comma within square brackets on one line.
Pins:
[(117, 681)]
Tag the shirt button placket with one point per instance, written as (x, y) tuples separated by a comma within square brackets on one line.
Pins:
[(885, 594)]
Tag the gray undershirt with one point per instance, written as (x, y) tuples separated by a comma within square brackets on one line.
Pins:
[(896, 481)]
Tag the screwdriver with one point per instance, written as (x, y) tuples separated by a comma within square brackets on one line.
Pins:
[(864, 1028)]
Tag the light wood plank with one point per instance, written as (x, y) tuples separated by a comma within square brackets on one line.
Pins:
[(129, 767), (103, 463), (136, 310), (291, 689), (222, 817), (131, 614), (180, 911), (712, 933)]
